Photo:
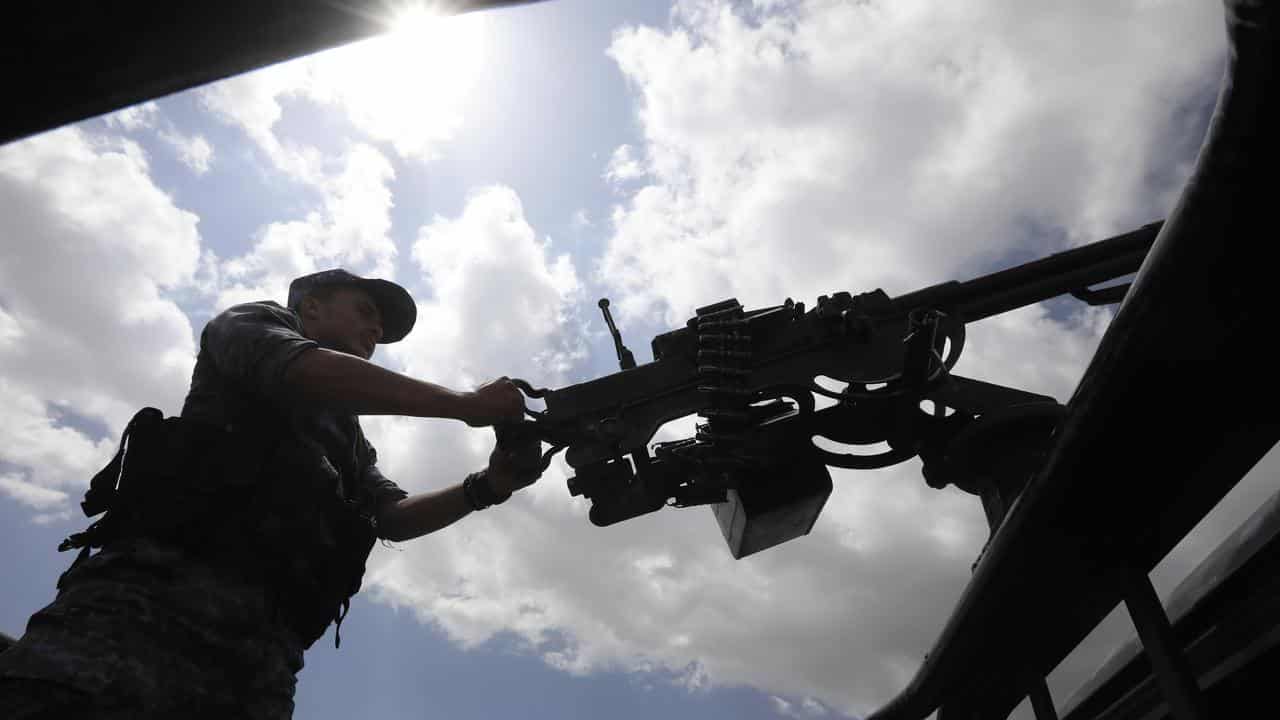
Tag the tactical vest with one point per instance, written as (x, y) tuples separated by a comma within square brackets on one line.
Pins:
[(251, 500)]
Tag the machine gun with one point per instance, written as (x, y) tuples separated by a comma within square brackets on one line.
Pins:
[(752, 378)]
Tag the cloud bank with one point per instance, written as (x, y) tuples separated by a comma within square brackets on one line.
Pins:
[(92, 248)]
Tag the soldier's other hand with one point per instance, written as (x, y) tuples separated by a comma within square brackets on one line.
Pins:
[(515, 465), (492, 403)]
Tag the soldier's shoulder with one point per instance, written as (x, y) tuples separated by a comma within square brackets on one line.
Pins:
[(260, 306), (259, 310)]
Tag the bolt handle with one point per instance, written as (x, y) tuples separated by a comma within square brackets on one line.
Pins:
[(625, 359)]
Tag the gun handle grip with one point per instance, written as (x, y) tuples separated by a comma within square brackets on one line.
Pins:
[(514, 434), (522, 438)]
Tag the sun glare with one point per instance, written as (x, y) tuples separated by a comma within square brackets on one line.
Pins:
[(413, 19), (410, 86)]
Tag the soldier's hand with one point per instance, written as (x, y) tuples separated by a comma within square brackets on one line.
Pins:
[(515, 464), (492, 403)]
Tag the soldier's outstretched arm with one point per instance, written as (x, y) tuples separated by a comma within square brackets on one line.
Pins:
[(421, 514), (509, 470), (337, 381)]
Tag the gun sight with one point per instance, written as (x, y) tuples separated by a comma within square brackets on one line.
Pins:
[(626, 360)]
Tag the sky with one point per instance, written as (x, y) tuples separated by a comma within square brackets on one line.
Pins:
[(511, 167)]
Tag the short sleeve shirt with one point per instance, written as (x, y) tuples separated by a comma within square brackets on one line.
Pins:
[(239, 377)]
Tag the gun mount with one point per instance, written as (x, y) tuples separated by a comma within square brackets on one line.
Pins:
[(752, 378)]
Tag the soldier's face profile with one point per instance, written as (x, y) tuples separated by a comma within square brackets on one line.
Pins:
[(349, 322)]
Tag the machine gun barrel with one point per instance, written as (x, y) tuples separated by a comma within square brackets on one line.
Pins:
[(618, 413), (1071, 271)]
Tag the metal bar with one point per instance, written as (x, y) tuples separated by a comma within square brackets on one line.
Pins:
[(1102, 296), (1229, 604), (1039, 290), (1174, 676), (1042, 701), (1039, 280)]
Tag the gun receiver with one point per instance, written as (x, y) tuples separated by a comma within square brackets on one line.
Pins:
[(751, 376)]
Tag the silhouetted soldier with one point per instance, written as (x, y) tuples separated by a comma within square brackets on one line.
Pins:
[(240, 531)]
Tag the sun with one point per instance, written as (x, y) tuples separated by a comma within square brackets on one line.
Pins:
[(415, 18), (411, 85), (429, 22)]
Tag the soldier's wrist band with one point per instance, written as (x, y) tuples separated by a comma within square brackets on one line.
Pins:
[(478, 492)]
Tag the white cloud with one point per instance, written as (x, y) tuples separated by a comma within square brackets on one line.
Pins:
[(135, 117), (252, 102), (813, 707), (893, 145), (783, 707), (50, 518), (500, 295), (406, 88), (10, 330), (806, 707), (91, 248), (194, 151), (1027, 349), (623, 166), (56, 456), (409, 89), (350, 228), (30, 494)]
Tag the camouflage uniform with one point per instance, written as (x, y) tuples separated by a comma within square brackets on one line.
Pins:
[(151, 628)]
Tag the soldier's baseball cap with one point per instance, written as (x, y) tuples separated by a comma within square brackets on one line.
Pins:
[(398, 310)]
